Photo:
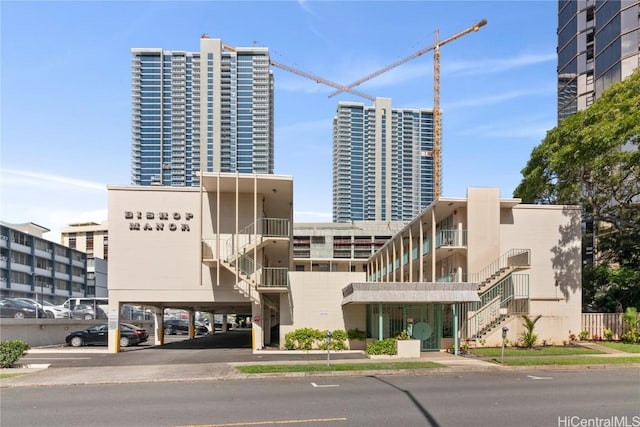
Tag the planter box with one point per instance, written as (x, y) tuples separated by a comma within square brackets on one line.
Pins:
[(357, 344), (408, 348)]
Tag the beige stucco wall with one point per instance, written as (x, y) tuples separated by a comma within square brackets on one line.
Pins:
[(154, 265), (553, 235), (483, 227), (317, 302)]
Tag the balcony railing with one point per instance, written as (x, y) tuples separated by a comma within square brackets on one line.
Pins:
[(451, 238)]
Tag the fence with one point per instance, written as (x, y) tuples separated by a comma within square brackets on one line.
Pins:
[(596, 323)]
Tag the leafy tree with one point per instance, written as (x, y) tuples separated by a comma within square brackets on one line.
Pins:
[(592, 159)]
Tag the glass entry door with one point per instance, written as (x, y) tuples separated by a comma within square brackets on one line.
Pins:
[(424, 322)]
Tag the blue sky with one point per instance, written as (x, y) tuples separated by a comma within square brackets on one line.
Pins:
[(66, 86)]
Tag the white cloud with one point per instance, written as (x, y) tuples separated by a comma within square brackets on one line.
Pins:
[(498, 98), (29, 179)]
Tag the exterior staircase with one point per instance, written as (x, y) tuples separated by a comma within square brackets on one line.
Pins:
[(238, 257), (502, 293)]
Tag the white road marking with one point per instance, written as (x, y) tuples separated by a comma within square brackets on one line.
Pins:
[(325, 385), (533, 377)]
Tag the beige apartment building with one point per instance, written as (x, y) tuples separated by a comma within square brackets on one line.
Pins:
[(459, 272)]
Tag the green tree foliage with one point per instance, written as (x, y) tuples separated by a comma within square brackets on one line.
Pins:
[(592, 159), (529, 338)]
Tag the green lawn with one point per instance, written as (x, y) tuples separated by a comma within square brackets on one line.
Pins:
[(579, 360), (3, 376), (539, 351), (265, 369), (628, 348)]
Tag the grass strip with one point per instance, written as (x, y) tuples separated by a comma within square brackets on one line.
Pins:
[(549, 360), (338, 367), (621, 346), (3, 376), (540, 351)]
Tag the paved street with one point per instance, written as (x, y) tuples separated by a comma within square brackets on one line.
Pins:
[(503, 398)]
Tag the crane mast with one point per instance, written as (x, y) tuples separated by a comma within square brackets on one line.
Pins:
[(437, 118)]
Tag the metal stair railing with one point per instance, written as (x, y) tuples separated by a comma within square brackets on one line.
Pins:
[(508, 297), (511, 259), (264, 227)]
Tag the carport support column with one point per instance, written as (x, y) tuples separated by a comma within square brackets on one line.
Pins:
[(159, 327), (454, 309), (380, 321), (113, 322), (224, 323), (192, 321), (257, 339)]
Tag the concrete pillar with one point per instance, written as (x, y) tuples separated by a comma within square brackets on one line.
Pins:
[(456, 346), (257, 338), (380, 321), (224, 323), (113, 322), (158, 327), (192, 320)]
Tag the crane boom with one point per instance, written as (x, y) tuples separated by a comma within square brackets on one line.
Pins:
[(421, 52), (317, 79)]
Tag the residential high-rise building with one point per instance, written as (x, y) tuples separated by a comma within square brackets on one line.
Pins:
[(382, 162), (209, 111), (598, 44)]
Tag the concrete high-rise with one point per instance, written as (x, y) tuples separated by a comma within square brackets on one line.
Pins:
[(598, 44), (382, 162), (209, 111)]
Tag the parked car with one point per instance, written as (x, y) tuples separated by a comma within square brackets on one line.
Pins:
[(56, 311), (87, 312), (130, 312), (181, 326), (18, 309), (52, 311), (98, 334)]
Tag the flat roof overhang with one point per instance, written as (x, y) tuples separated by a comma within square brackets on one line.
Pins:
[(411, 292)]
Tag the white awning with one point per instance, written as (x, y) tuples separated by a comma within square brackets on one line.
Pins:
[(412, 292)]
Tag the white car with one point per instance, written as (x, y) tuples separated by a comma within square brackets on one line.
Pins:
[(52, 311)]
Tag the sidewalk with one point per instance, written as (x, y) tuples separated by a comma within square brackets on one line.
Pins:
[(41, 376)]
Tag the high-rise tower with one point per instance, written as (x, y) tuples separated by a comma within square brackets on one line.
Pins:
[(382, 162), (598, 44), (210, 110)]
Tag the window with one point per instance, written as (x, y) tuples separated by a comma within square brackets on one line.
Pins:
[(72, 240)]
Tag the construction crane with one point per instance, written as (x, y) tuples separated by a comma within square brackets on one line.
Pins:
[(308, 75), (317, 79), (437, 122)]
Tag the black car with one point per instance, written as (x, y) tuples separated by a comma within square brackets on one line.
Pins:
[(19, 309), (181, 326), (98, 334)]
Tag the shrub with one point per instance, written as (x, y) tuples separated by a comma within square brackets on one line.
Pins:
[(309, 339), (583, 335), (528, 337), (386, 346), (11, 351), (403, 336), (356, 334), (608, 334)]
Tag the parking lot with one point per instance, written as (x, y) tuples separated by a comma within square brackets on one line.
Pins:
[(224, 347)]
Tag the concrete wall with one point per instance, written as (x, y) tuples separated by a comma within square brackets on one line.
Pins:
[(47, 332), (317, 302), (555, 285)]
